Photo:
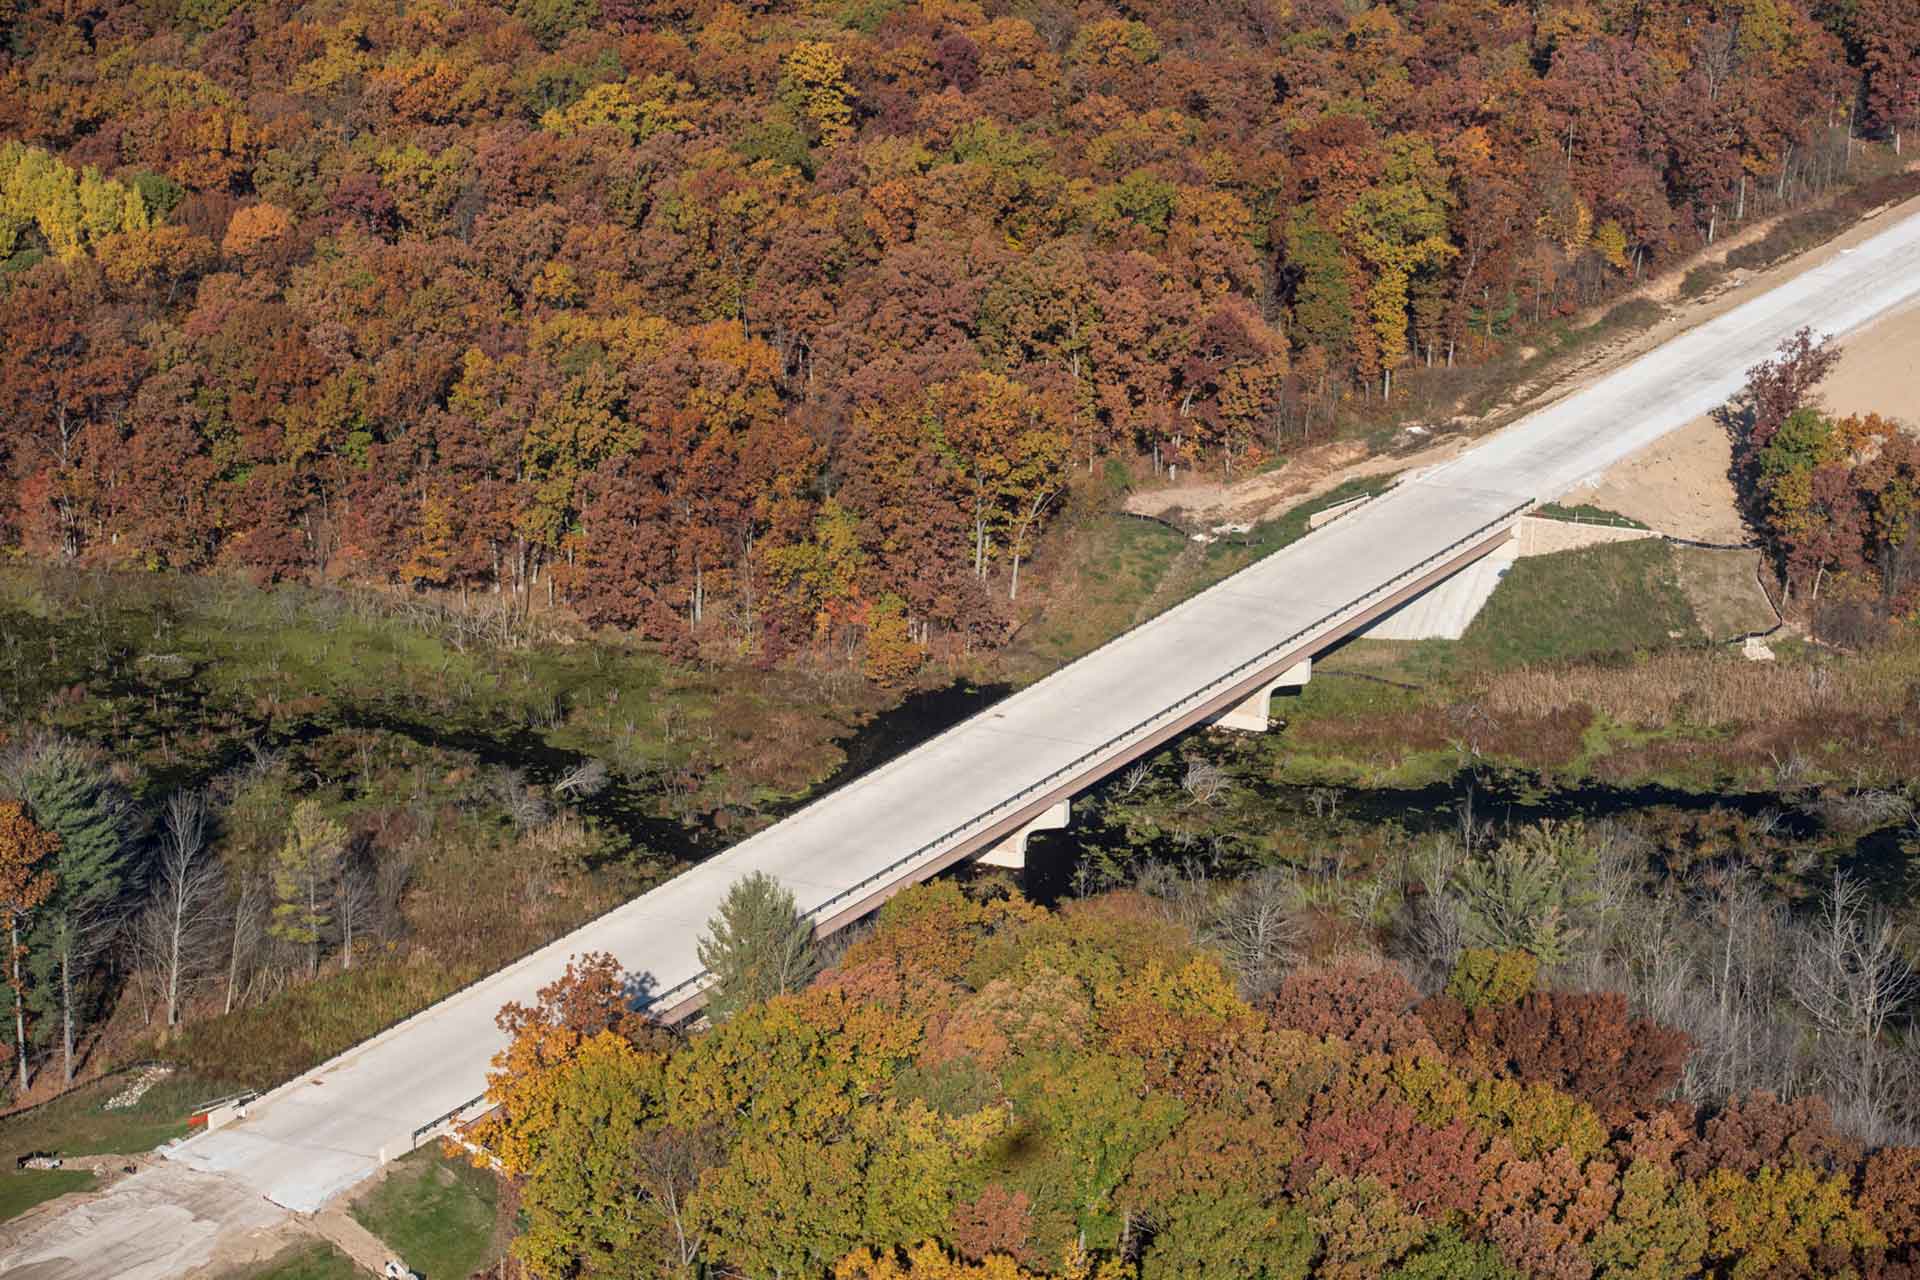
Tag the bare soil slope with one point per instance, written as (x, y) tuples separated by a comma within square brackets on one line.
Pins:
[(1681, 486)]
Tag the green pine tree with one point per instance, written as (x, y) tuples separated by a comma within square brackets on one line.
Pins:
[(303, 874), (69, 792), (757, 946)]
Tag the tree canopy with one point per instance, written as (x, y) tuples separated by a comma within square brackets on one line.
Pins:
[(785, 324), (988, 1090)]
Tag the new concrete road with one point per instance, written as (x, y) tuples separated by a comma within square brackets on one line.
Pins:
[(325, 1131)]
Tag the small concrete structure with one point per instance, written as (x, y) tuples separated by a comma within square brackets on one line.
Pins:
[(1544, 535), (1012, 851), (1326, 515), (1445, 611), (1252, 716)]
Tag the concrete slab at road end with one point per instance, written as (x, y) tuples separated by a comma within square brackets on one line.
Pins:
[(158, 1224)]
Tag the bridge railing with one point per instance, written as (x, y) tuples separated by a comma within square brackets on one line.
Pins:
[(444, 1118), (690, 986), (670, 996)]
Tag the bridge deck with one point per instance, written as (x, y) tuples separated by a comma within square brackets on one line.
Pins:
[(325, 1131)]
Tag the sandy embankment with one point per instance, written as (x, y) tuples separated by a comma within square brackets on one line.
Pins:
[(1681, 486)]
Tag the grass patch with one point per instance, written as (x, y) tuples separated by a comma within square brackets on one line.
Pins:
[(317, 1261), (1586, 513), (1226, 558), (1724, 590), (436, 1213), (1702, 280), (1577, 604), (20, 1191), (78, 1124), (278, 1039), (1115, 565)]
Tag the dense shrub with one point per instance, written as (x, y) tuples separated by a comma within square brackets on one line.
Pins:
[(1587, 1044)]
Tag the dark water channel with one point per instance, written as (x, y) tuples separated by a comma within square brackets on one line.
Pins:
[(632, 806), (1493, 801), (1491, 798), (636, 806)]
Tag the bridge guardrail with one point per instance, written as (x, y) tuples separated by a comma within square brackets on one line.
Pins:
[(691, 986), (421, 1131)]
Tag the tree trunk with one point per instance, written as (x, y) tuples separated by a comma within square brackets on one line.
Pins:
[(240, 902), (19, 997), (174, 943), (313, 926), (66, 1011)]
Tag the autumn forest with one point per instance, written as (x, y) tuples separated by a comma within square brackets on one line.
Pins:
[(465, 462), (782, 325)]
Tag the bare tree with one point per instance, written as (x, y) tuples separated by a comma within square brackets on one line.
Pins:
[(355, 899), (1255, 926), (243, 938), (1205, 782), (172, 936), (668, 1162), (391, 875), (1432, 914), (79, 939), (523, 803), (1851, 976), (1716, 966), (588, 778)]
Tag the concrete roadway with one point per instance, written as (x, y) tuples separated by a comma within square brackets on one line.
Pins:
[(322, 1133)]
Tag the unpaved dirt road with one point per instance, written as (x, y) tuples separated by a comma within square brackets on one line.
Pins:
[(166, 1221)]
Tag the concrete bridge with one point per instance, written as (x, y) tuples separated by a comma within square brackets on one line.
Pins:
[(982, 787)]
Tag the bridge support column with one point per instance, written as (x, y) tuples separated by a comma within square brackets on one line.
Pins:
[(1251, 715), (1012, 850)]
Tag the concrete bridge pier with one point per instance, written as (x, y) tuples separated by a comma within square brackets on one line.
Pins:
[(1251, 716), (1011, 851)]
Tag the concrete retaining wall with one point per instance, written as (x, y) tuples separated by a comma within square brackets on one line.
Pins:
[(1327, 514)]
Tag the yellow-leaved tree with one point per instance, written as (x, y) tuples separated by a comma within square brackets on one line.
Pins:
[(71, 210), (813, 82)]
